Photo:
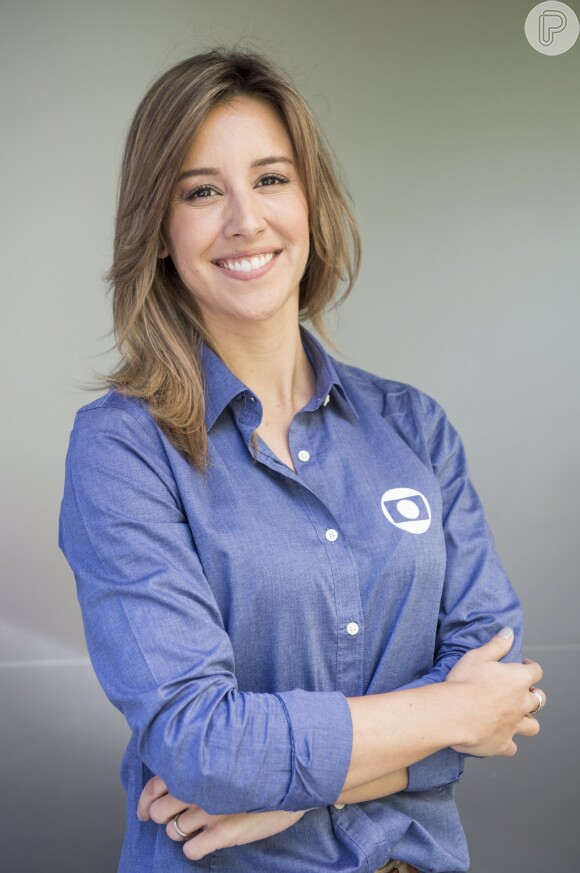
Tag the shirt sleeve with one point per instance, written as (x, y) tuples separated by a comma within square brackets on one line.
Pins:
[(158, 643), (478, 599)]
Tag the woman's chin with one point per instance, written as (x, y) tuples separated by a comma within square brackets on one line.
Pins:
[(261, 314)]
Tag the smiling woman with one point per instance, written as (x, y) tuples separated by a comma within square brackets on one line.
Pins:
[(287, 581), (239, 238), (170, 180)]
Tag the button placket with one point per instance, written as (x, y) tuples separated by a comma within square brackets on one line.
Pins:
[(349, 670)]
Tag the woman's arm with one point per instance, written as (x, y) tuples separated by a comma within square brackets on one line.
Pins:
[(392, 783), (479, 668), (157, 639), (478, 710), (477, 598), (160, 649), (213, 832)]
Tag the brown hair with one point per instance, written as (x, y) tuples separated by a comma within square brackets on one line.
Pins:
[(158, 329)]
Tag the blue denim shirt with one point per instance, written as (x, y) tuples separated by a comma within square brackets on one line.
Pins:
[(229, 614)]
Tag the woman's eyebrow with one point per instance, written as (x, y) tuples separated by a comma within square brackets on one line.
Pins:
[(274, 159), (199, 171), (213, 171)]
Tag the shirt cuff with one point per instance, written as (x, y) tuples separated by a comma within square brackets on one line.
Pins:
[(437, 770), (320, 726)]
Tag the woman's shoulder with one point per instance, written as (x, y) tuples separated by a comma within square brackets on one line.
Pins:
[(113, 404), (391, 397), (419, 420), (116, 414)]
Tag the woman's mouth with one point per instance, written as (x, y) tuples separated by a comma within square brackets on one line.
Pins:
[(246, 265)]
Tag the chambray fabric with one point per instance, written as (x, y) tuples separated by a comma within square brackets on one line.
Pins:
[(229, 613)]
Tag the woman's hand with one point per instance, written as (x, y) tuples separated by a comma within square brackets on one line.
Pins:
[(498, 698), (208, 832), (478, 709), (212, 832)]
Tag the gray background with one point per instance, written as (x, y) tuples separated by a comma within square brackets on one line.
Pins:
[(460, 146)]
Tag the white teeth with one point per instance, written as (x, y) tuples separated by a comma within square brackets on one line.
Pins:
[(247, 264)]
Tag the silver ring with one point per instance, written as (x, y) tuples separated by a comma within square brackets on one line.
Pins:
[(541, 700), (178, 830)]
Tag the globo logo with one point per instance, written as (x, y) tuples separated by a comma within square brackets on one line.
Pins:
[(407, 509)]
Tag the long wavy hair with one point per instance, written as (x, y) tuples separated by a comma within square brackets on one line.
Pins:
[(158, 328)]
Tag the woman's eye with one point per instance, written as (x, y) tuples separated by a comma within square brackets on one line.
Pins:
[(272, 179), (201, 193)]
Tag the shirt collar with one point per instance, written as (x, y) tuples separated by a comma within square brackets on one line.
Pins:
[(326, 377), (221, 386)]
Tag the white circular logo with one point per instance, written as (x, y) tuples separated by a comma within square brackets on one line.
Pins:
[(407, 509), (552, 28)]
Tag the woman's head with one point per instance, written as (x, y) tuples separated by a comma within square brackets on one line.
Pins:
[(164, 126), (237, 231), (157, 324)]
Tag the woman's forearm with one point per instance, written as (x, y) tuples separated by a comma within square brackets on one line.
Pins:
[(383, 787), (478, 709), (392, 731)]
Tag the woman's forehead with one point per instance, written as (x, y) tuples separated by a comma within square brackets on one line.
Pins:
[(243, 126)]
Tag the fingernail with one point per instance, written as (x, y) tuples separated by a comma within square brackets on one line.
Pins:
[(506, 633)]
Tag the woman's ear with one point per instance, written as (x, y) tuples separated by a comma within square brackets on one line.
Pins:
[(163, 250)]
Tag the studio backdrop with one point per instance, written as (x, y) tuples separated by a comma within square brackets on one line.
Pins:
[(459, 143)]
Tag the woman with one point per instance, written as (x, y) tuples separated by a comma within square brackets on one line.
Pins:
[(287, 582)]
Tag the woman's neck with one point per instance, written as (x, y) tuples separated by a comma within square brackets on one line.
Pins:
[(272, 362), (270, 359)]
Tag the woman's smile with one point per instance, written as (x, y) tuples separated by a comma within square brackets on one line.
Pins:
[(246, 266)]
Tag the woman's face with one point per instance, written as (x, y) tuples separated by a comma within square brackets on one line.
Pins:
[(237, 230)]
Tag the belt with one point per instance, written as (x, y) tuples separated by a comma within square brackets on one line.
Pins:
[(397, 867)]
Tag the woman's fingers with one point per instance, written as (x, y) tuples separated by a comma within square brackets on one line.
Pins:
[(156, 804), (166, 808), (538, 698), (152, 790), (500, 699), (208, 833), (208, 840), (528, 726), (495, 649), (221, 831), (535, 671), (189, 820)]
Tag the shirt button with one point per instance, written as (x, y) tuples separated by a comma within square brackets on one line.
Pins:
[(303, 455), (352, 628), (338, 805), (326, 400), (331, 535)]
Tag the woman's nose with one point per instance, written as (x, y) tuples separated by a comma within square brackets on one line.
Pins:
[(244, 216)]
